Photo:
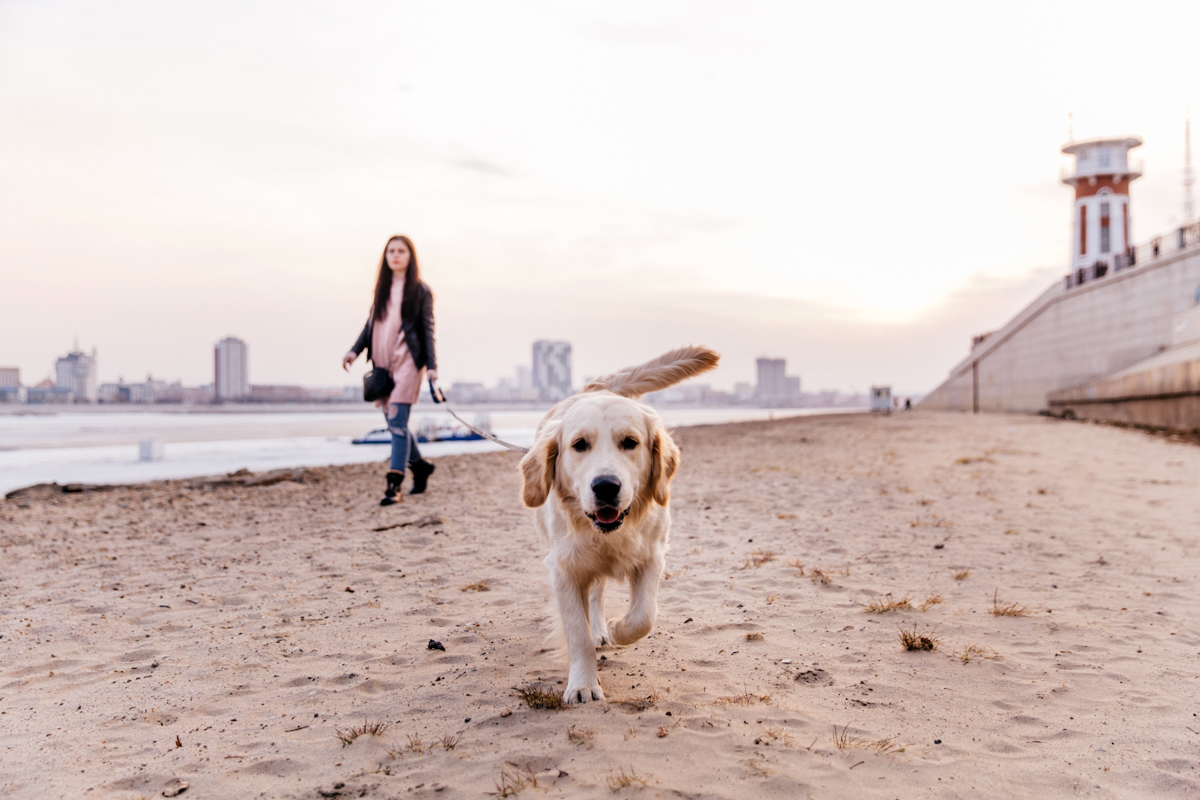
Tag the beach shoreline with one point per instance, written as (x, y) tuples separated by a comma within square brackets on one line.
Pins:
[(223, 635)]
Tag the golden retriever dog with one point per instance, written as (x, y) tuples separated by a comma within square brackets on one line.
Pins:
[(599, 476)]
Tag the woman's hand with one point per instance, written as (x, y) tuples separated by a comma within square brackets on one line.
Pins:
[(431, 374), (347, 360)]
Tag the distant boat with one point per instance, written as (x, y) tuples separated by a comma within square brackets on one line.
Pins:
[(431, 431), (381, 436)]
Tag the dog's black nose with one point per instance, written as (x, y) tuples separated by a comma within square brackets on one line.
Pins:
[(607, 488)]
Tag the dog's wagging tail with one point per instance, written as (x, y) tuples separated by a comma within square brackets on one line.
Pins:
[(658, 374)]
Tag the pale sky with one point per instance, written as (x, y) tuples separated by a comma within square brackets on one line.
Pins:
[(856, 187)]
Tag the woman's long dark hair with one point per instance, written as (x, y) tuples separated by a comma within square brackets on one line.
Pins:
[(383, 284)]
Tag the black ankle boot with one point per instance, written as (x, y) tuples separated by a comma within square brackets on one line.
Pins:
[(421, 471), (394, 479)]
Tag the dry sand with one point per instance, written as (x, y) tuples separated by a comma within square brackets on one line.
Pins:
[(222, 636)]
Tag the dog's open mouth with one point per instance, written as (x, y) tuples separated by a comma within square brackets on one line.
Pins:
[(607, 518)]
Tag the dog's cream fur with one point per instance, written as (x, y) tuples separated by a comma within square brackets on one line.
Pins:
[(603, 432)]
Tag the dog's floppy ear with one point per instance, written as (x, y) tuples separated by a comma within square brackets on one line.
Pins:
[(538, 468), (664, 460)]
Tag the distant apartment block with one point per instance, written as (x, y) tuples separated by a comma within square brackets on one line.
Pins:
[(76, 373), (232, 370), (775, 387), (467, 392), (552, 370), (11, 390)]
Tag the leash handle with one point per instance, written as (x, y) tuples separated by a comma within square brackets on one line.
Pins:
[(435, 392)]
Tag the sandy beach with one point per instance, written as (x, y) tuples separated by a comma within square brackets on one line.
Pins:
[(224, 636)]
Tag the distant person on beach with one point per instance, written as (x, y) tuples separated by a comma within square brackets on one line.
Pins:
[(398, 337)]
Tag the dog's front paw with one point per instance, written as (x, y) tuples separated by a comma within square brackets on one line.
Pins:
[(601, 638), (583, 693), (623, 630)]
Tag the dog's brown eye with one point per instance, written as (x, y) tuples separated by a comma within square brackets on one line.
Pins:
[(580, 445), (628, 443)]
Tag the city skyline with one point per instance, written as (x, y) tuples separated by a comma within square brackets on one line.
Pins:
[(684, 175), (546, 379)]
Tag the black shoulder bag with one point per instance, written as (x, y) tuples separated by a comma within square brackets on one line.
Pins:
[(378, 383)]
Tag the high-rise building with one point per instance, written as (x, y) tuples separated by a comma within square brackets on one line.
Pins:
[(552, 370), (232, 376), (775, 386), (76, 372), (524, 378)]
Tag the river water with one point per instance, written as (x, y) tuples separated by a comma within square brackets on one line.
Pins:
[(101, 446)]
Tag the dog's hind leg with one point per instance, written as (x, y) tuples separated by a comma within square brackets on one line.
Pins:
[(600, 635), (582, 684), (643, 605)]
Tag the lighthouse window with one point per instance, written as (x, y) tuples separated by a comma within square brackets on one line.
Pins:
[(1104, 235), (1083, 230), (1104, 156)]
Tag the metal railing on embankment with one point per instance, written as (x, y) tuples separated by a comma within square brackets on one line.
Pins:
[(1183, 238)]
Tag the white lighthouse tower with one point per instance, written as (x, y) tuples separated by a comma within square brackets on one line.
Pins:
[(1101, 228)]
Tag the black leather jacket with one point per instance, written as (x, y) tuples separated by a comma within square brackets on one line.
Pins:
[(418, 333)]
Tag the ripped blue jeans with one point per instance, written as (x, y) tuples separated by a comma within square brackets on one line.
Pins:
[(404, 444)]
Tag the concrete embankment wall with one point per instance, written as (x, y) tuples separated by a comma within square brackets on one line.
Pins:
[(1070, 336)]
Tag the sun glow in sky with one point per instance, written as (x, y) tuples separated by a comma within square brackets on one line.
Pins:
[(855, 187)]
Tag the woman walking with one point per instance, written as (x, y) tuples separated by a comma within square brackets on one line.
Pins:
[(398, 338)]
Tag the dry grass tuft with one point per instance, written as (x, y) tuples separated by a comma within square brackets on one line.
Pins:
[(744, 698), (639, 703), (843, 740), (974, 651), (448, 741), (580, 736), (916, 640), (931, 601), (366, 729), (962, 575), (537, 696), (755, 636), (758, 558), (774, 735), (825, 576), (623, 780), (797, 565), (774, 597), (482, 586), (882, 605), (1013, 609), (414, 745), (513, 781)]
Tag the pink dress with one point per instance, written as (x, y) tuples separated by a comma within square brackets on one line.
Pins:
[(389, 351)]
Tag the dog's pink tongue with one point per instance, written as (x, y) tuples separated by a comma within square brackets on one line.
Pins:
[(607, 515)]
